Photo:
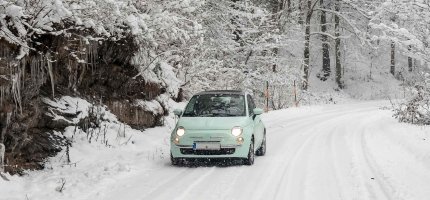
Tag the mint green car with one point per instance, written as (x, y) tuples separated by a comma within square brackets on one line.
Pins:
[(218, 124)]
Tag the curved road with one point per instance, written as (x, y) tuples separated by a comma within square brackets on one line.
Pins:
[(354, 151)]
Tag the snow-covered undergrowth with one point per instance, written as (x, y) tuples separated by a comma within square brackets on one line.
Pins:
[(382, 86), (101, 150), (416, 108), (89, 122)]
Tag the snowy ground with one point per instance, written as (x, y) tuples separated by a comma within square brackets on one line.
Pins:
[(350, 151)]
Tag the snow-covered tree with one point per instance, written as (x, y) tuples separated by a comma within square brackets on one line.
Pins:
[(406, 25)]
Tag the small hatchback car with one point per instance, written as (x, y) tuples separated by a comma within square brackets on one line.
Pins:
[(219, 124)]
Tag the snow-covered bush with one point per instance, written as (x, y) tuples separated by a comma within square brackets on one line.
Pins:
[(416, 110)]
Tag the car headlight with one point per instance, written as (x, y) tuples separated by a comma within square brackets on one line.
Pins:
[(236, 131), (180, 131)]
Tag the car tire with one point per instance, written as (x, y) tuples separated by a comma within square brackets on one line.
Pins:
[(251, 155), (175, 161), (262, 150)]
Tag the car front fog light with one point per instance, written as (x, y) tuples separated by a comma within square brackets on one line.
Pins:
[(176, 140), (239, 140), (180, 131), (236, 131)]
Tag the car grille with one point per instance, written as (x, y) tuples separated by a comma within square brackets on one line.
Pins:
[(224, 151)]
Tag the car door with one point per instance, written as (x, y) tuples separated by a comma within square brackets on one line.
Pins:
[(257, 123)]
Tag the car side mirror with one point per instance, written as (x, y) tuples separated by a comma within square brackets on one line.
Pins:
[(258, 111), (177, 112)]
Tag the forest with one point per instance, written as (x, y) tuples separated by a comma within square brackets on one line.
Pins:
[(133, 56)]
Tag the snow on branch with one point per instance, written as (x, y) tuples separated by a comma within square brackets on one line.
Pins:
[(330, 35), (345, 19)]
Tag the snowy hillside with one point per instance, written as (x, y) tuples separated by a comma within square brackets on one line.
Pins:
[(88, 90), (351, 151), (96, 156)]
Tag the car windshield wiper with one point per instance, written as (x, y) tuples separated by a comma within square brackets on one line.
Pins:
[(190, 115), (229, 114), (210, 115), (224, 114)]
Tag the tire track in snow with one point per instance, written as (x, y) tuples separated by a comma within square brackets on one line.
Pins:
[(340, 152), (368, 173), (323, 114), (334, 162), (343, 161), (265, 186), (394, 184), (172, 183), (195, 183), (384, 185), (363, 172), (165, 179), (410, 149), (285, 180), (327, 181), (285, 167), (328, 141), (288, 169), (319, 112), (293, 135), (297, 123)]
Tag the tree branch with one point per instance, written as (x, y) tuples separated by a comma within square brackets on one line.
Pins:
[(346, 20)]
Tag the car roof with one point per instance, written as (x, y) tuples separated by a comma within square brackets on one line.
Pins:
[(239, 92)]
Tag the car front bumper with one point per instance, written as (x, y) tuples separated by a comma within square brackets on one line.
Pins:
[(230, 146), (226, 151)]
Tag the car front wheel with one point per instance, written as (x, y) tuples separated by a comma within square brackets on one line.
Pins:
[(175, 161), (250, 159)]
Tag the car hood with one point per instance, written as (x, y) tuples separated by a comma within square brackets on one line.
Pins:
[(212, 123)]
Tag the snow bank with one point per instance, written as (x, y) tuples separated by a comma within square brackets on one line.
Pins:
[(153, 106), (98, 154)]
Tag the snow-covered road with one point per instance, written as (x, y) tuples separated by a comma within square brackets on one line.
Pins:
[(353, 151)]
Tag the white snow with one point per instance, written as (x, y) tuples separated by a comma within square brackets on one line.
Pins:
[(78, 106), (152, 106), (14, 11), (133, 23), (349, 151)]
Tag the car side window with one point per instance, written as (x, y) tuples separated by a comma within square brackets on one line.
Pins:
[(251, 105)]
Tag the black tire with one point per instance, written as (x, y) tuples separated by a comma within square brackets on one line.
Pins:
[(175, 161), (262, 150), (251, 155)]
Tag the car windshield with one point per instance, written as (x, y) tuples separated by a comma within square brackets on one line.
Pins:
[(216, 105)]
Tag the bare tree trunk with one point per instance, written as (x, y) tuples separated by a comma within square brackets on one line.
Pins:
[(337, 46), (307, 43), (237, 32), (277, 7), (300, 4), (295, 94), (281, 5), (2, 151), (267, 97), (393, 57), (325, 47), (410, 61)]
